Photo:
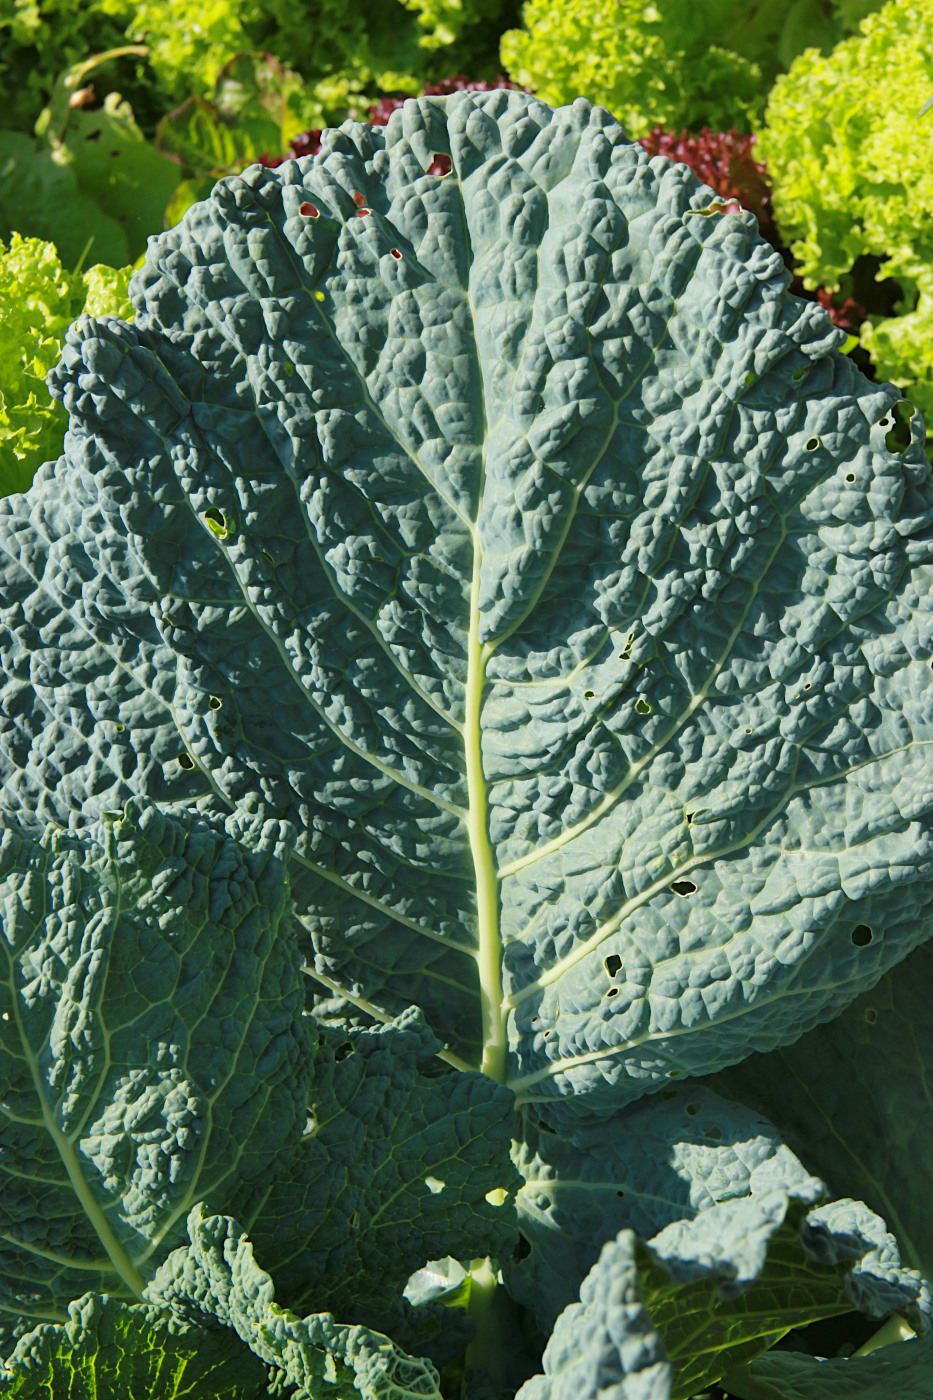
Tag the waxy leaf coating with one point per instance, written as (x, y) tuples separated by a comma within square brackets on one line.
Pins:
[(556, 580)]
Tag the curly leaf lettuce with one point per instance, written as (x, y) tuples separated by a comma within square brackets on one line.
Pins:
[(847, 149), (670, 63), (38, 301), (345, 45)]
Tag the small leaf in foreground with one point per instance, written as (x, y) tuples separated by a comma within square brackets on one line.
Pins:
[(217, 1277)]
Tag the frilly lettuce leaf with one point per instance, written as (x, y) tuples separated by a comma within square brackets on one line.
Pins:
[(842, 204), (38, 301)]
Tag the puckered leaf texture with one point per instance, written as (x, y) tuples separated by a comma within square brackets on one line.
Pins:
[(739, 1249), (396, 1171), (517, 537), (658, 1324), (661, 1163), (606, 1341), (154, 1052), (152, 1047)]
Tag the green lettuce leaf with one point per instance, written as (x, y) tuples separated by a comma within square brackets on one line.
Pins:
[(118, 168), (38, 301), (736, 1247), (517, 537)]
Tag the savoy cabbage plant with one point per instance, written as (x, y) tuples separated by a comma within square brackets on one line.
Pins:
[(466, 699)]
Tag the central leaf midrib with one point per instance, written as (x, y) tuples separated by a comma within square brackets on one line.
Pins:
[(486, 874)]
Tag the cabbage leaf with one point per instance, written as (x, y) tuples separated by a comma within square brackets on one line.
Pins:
[(520, 552), (521, 541)]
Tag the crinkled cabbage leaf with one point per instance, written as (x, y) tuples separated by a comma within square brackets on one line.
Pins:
[(154, 1054), (517, 546), (520, 539)]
